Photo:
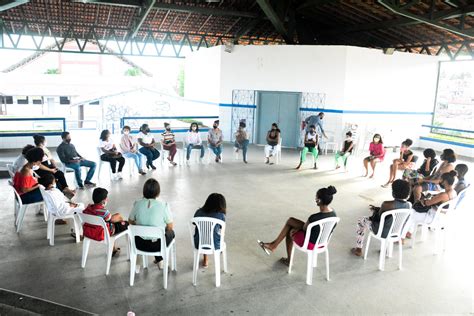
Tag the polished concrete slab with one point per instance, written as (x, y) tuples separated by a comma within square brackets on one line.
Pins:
[(260, 198)]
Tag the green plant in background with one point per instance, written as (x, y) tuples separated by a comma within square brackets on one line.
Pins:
[(133, 72), (181, 82), (52, 71)]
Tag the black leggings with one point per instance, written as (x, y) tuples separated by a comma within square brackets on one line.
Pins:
[(58, 175), (151, 246), (113, 162)]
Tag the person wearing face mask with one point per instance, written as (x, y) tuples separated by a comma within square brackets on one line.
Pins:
[(273, 141), (345, 152), (24, 182), (400, 193), (425, 209), (114, 222), (311, 141), (406, 161), (72, 159), (129, 148), (169, 143), (214, 140), (193, 141), (377, 152), (242, 140), (294, 229), (111, 154), (48, 166), (147, 143)]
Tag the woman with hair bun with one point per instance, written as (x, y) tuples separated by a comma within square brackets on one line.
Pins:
[(425, 209), (405, 161), (294, 229)]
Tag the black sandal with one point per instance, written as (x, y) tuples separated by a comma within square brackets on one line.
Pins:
[(262, 245)]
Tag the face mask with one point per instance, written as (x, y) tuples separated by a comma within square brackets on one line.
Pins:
[(193, 128), (35, 168), (376, 140), (215, 126), (68, 141), (168, 128), (441, 185), (126, 132)]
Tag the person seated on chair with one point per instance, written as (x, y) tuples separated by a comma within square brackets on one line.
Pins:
[(129, 148), (147, 143), (406, 161), (461, 169), (311, 141), (24, 181), (193, 141), (214, 140), (114, 222), (242, 140), (48, 166), (20, 161), (149, 211), (400, 193), (214, 207), (424, 210), (431, 183), (169, 143), (273, 141), (425, 169), (294, 229), (61, 207), (111, 154), (71, 159), (345, 152), (377, 153)]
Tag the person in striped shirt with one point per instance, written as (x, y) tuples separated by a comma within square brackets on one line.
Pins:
[(169, 143)]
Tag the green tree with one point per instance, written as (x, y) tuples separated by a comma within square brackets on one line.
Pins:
[(133, 72), (181, 82), (52, 71)]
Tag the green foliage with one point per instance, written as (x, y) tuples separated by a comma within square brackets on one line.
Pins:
[(133, 72), (181, 82), (52, 71)]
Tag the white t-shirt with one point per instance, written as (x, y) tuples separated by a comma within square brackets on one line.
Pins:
[(146, 138), (60, 205), (20, 161), (193, 138), (106, 144)]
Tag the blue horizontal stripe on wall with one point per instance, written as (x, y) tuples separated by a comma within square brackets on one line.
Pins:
[(224, 105), (29, 134), (364, 112), (448, 129), (449, 142), (184, 130)]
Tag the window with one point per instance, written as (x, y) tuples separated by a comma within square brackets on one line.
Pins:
[(64, 100), (37, 100), (22, 100), (455, 100)]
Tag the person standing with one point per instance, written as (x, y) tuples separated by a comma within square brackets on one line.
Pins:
[(111, 154), (214, 139), (71, 159), (317, 121), (147, 143), (242, 140), (273, 141), (193, 141), (169, 143), (311, 141), (129, 148)]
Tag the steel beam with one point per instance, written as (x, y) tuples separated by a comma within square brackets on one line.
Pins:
[(277, 21), (139, 22)]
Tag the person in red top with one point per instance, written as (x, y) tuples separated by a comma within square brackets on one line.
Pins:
[(114, 222), (24, 182), (377, 152)]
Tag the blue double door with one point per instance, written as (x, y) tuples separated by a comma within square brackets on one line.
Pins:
[(281, 108)]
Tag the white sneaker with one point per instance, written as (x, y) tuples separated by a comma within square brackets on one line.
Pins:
[(113, 177), (119, 176)]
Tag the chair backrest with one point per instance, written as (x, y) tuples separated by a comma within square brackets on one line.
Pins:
[(11, 170), (399, 219), (461, 196), (95, 220), (99, 151), (17, 195), (146, 231), (205, 227), (435, 168), (48, 201), (326, 228)]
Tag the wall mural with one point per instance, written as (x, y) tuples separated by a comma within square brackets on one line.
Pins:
[(243, 114), (310, 100)]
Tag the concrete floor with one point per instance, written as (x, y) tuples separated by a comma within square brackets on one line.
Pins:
[(260, 198)]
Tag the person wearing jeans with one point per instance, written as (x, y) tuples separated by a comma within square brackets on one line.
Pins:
[(193, 141), (214, 139), (242, 140), (147, 143), (71, 159), (129, 148)]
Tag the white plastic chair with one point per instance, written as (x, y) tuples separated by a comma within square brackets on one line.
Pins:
[(167, 252), (101, 162), (277, 154), (165, 153), (108, 240), (399, 219), (205, 227), (11, 172), (20, 208), (53, 216), (210, 154), (330, 145), (195, 154), (326, 227), (308, 153)]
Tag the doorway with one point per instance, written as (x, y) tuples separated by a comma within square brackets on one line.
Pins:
[(281, 108)]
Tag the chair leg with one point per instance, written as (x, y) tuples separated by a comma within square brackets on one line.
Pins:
[(52, 231), (85, 251), (133, 266), (224, 259), (110, 249), (45, 211), (390, 249), (413, 237), (309, 269), (400, 257), (48, 229), (195, 266), (367, 247), (217, 263), (290, 265), (175, 264), (145, 262), (77, 228), (165, 269), (315, 260), (20, 218), (327, 265), (383, 251)]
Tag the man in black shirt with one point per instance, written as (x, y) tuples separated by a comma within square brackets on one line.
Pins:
[(70, 158)]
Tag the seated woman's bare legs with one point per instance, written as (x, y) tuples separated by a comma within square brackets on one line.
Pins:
[(366, 166), (291, 224), (393, 172), (373, 163)]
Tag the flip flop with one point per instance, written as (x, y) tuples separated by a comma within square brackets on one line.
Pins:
[(284, 261), (261, 244)]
